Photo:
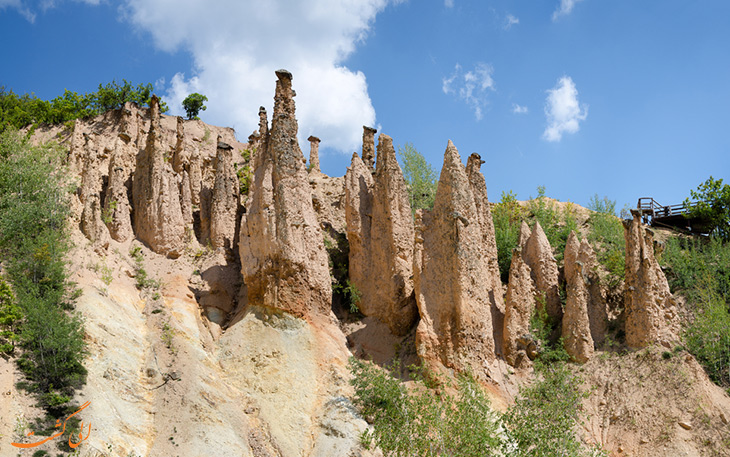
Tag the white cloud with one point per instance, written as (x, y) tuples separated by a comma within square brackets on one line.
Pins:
[(20, 7), (449, 3), (471, 86), (238, 44), (562, 110), (509, 21), (518, 109), (27, 8), (566, 6)]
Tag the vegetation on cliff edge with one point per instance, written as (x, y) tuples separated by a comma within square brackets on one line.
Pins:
[(38, 312)]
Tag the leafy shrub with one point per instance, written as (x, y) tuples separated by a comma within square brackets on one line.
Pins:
[(507, 216), (700, 270), (10, 317), (713, 205), (602, 205), (18, 111), (421, 422), (607, 238), (545, 415), (420, 177)]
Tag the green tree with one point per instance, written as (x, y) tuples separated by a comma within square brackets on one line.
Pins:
[(420, 177), (713, 205), (33, 246), (194, 104)]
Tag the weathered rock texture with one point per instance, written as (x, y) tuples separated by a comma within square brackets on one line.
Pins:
[(158, 220), (452, 276), (314, 153), (368, 147), (484, 216), (91, 219), (520, 304), (384, 280), (651, 311), (359, 186), (116, 203), (539, 257), (284, 263), (524, 235), (579, 263), (224, 206)]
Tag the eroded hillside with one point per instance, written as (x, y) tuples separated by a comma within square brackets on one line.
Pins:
[(213, 326)]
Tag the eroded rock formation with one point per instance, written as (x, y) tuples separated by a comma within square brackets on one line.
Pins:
[(484, 217), (158, 220), (116, 203), (389, 295), (224, 204), (314, 153), (368, 147), (520, 304), (539, 257), (284, 263), (579, 263), (91, 218), (452, 276), (651, 311), (359, 215)]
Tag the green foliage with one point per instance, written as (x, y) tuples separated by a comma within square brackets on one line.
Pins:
[(545, 415), (108, 213), (507, 216), (10, 317), (713, 205), (143, 281), (344, 292), (700, 270), (602, 205), (194, 104), (556, 224), (421, 422), (607, 238), (18, 111), (33, 243), (420, 177)]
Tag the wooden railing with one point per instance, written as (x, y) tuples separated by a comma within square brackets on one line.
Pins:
[(651, 208)]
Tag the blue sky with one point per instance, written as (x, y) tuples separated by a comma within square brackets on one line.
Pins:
[(622, 98)]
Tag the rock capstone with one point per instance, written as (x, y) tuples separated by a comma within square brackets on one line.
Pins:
[(314, 153)]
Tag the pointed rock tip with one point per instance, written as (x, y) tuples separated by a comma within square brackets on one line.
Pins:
[(452, 154)]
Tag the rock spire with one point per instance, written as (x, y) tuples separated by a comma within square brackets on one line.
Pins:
[(314, 153), (158, 220), (651, 311), (452, 279), (284, 263)]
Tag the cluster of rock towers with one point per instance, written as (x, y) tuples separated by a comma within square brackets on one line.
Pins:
[(434, 269)]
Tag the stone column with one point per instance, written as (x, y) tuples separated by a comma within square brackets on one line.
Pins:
[(314, 152), (368, 147)]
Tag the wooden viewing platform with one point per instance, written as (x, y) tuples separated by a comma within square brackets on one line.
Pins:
[(653, 213)]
